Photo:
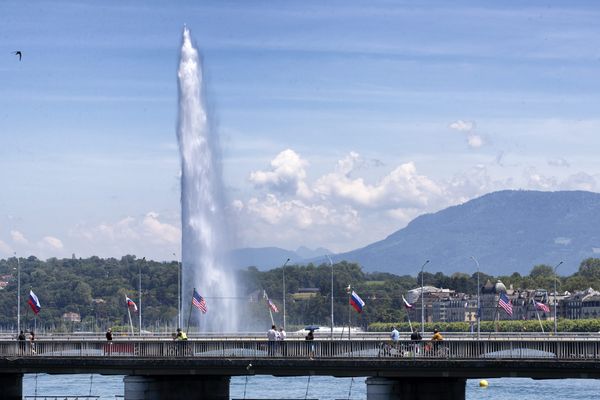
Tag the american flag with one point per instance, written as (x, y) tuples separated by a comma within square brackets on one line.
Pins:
[(504, 302), (199, 302), (272, 305), (541, 306)]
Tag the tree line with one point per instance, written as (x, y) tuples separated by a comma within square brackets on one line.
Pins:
[(95, 288)]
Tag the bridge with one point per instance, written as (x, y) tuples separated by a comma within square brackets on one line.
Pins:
[(201, 368)]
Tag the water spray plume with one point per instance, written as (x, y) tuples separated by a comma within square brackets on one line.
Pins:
[(203, 220)]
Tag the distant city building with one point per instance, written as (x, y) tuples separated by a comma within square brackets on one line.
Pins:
[(581, 305), (71, 317), (306, 293), (445, 305), (4, 279)]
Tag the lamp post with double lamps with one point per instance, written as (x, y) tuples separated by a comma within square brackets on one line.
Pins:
[(331, 264), (478, 304), (18, 294), (178, 291), (423, 301), (283, 270), (555, 302)]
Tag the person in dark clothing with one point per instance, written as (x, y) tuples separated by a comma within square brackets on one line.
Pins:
[(416, 338), (21, 339), (311, 347), (108, 346)]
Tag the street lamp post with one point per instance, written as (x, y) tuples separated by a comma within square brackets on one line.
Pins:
[(178, 291), (478, 305), (555, 302), (18, 294), (331, 264), (423, 301), (140, 295), (283, 270)]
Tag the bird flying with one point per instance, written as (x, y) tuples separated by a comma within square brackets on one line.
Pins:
[(18, 53)]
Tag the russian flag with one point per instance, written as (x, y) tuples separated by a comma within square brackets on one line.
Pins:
[(34, 302), (356, 302), (131, 304), (406, 303)]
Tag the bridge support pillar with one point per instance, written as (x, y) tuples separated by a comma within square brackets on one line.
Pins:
[(415, 389), (150, 387), (11, 386)]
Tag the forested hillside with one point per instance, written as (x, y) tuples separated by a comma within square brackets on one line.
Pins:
[(507, 231), (96, 288)]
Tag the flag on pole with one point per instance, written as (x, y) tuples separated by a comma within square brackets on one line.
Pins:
[(504, 302), (131, 304), (356, 302), (541, 306), (34, 302), (272, 305), (199, 302), (406, 303)]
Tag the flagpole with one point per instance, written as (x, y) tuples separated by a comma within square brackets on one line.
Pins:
[(283, 271), (187, 329), (349, 311), (178, 290), (26, 315), (130, 321), (331, 264), (497, 316), (407, 307), (18, 294), (537, 314), (265, 297), (140, 295)]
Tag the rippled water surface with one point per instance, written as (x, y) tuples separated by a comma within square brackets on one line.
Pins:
[(318, 387)]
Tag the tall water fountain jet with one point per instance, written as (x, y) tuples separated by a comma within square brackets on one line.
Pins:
[(203, 220)]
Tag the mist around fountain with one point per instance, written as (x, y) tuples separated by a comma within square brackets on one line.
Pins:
[(203, 220)]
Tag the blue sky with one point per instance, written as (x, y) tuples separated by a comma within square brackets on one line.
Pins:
[(339, 121)]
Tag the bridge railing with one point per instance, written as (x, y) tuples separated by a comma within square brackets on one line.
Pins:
[(320, 349)]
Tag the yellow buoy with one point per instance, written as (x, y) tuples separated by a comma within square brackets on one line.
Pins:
[(483, 383)]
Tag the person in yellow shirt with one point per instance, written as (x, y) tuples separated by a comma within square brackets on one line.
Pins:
[(437, 336)]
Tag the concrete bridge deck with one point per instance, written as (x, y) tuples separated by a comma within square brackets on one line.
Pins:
[(191, 367)]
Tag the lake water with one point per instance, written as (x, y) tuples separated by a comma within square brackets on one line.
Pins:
[(317, 387)]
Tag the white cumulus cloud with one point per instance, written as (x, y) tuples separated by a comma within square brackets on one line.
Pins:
[(5, 248), (462, 126), (160, 231), (18, 237), (51, 242), (286, 176), (401, 187), (474, 140)]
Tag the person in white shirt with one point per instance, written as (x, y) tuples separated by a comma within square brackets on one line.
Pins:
[(272, 336), (272, 333), (281, 338), (395, 335)]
